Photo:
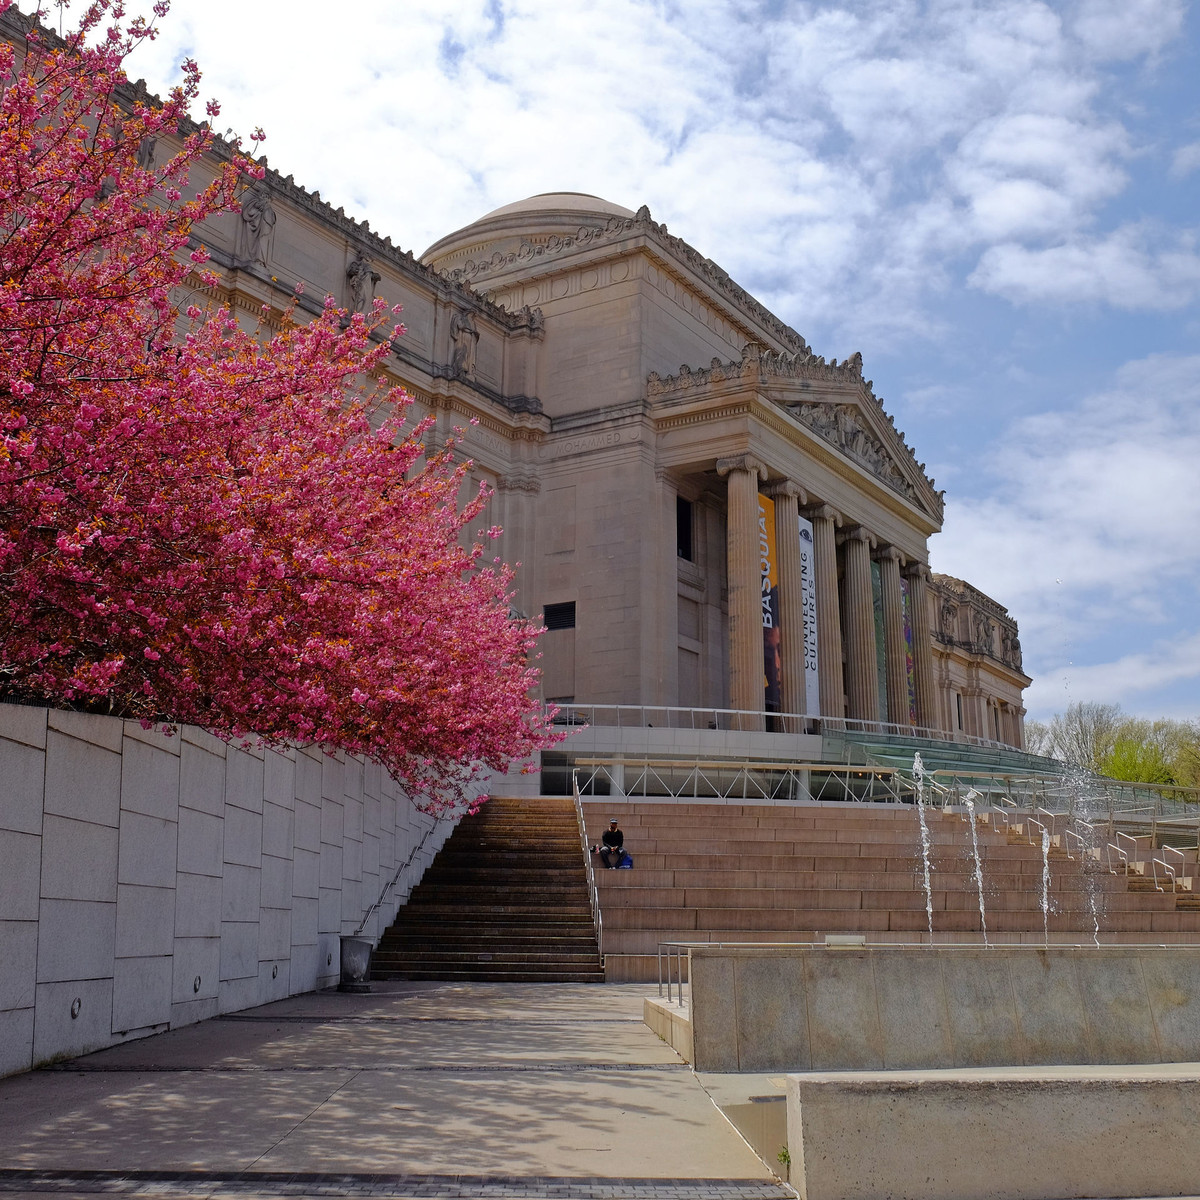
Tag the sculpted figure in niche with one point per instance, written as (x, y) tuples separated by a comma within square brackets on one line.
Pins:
[(949, 619), (464, 337), (258, 219), (362, 280), (983, 631)]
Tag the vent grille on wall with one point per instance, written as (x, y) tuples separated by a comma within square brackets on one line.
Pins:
[(559, 616)]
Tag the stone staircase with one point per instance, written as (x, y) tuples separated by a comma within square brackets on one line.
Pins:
[(766, 873), (505, 900)]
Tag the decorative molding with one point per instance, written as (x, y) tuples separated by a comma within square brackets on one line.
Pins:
[(824, 512), (741, 462), (840, 425), (616, 228)]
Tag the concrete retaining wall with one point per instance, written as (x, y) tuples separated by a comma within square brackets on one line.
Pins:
[(149, 881), (1025, 1133), (886, 1008)]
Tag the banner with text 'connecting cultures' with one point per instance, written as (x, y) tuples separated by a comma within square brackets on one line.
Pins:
[(808, 601)]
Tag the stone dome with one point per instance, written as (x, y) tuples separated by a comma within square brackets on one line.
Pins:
[(531, 220)]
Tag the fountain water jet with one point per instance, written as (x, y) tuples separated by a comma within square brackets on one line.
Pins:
[(1046, 883), (919, 780), (969, 800)]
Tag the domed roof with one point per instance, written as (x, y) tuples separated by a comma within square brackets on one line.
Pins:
[(568, 202), (533, 219)]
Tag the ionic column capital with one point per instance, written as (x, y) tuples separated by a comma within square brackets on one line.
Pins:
[(916, 570), (891, 554), (824, 512), (858, 533), (741, 462), (785, 487)]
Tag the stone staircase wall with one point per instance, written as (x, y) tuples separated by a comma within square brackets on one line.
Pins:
[(765, 873), (505, 900)]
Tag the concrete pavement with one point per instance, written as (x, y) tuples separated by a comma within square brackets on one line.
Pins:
[(418, 1089)]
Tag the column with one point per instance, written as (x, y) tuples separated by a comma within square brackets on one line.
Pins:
[(918, 602), (862, 680), (787, 497), (742, 567), (829, 618), (895, 650)]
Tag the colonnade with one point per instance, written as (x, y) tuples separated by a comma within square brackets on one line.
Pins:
[(854, 692)]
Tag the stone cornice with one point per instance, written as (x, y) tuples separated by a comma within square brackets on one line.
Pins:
[(618, 228), (837, 424)]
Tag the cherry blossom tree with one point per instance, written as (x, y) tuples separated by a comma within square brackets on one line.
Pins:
[(202, 523)]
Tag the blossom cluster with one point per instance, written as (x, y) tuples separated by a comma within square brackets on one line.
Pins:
[(205, 523)]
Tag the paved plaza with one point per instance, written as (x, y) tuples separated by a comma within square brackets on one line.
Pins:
[(418, 1089)]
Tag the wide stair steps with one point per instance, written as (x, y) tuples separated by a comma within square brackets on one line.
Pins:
[(776, 873), (505, 900)]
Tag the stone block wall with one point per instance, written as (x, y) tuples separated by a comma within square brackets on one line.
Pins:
[(149, 881)]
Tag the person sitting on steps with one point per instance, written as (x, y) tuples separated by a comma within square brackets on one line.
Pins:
[(612, 846)]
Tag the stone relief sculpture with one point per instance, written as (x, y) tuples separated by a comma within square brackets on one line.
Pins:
[(146, 151), (464, 336), (258, 221), (983, 632), (361, 281), (948, 619)]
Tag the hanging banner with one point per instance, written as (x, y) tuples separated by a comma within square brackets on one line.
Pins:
[(768, 569), (910, 670), (880, 650), (808, 601)]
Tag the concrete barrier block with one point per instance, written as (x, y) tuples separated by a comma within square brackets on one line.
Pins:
[(771, 1014), (1049, 1007), (23, 769), (201, 842), (913, 1013), (843, 1016), (1120, 1020), (145, 921), (83, 780), (241, 892), (141, 993), (21, 875), (979, 1000), (148, 850), (306, 874), (278, 829), (18, 953), (23, 723), (1174, 993), (195, 970), (714, 1012), (997, 1133), (16, 1040), (197, 906), (202, 778), (239, 952), (73, 1017), (79, 860), (243, 836), (244, 779)]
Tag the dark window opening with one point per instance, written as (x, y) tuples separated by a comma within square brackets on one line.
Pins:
[(559, 616), (958, 699), (683, 528)]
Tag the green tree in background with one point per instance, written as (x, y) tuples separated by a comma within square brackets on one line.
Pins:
[(1103, 739)]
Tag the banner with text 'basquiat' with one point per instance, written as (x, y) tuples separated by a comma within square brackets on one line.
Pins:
[(768, 571)]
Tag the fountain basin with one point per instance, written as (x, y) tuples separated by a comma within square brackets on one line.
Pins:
[(995, 1133), (813, 1008)]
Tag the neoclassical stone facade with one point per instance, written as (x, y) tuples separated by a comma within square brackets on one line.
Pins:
[(706, 513)]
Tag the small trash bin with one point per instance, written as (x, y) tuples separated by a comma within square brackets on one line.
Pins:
[(356, 962)]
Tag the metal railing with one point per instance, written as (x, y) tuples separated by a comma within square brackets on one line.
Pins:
[(395, 879), (593, 891), (750, 780)]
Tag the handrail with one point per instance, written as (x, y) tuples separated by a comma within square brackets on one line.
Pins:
[(1169, 871), (399, 871), (593, 891)]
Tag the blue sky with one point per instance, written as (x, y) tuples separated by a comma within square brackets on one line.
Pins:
[(995, 202)]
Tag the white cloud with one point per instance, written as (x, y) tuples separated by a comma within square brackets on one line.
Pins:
[(1129, 268), (1185, 160), (1088, 526), (1127, 680), (845, 160)]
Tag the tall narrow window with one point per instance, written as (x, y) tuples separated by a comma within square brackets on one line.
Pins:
[(683, 529), (958, 701)]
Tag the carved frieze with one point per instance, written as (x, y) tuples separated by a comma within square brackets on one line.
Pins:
[(841, 425), (615, 228), (974, 621)]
